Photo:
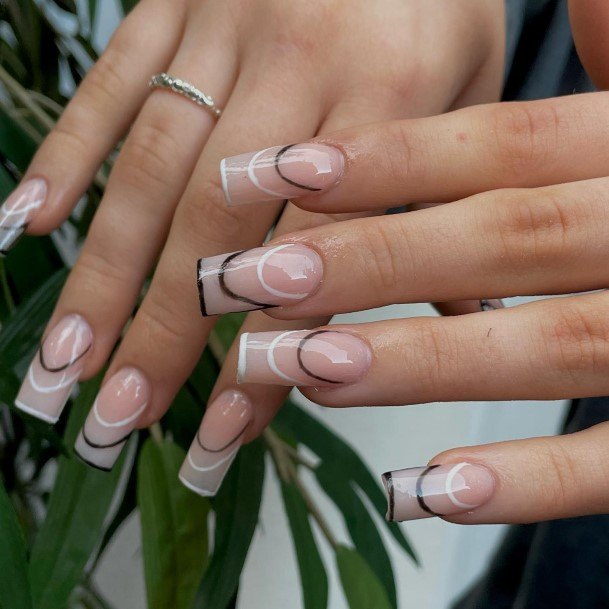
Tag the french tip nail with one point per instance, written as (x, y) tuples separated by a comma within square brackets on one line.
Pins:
[(195, 489), (35, 413)]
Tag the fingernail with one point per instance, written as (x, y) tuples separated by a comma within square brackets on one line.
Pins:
[(258, 278), (18, 210), (491, 305), (281, 172), (112, 418), (55, 369), (313, 358), (216, 443), (437, 490)]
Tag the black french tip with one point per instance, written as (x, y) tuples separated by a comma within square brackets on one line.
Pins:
[(200, 287)]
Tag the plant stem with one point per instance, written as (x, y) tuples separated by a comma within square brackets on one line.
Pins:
[(6, 290), (288, 473), (22, 95), (29, 102), (216, 347), (156, 432)]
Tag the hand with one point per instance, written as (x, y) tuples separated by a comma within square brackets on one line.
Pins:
[(279, 71), (540, 227)]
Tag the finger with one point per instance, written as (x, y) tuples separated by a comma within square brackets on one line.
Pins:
[(236, 415), (544, 350), (507, 482), (100, 112), (441, 158), (502, 243), (131, 223), (166, 337), (460, 307)]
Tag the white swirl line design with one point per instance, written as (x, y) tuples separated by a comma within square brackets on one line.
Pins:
[(250, 172), (449, 489), (65, 381), (15, 210), (265, 285), (197, 489), (208, 468), (241, 364), (120, 423), (225, 182), (270, 357)]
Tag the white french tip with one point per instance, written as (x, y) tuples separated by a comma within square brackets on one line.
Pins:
[(241, 365), (47, 418), (195, 489), (229, 201)]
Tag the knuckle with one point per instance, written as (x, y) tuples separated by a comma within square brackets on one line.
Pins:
[(382, 253), (148, 153), (207, 208), (67, 136), (527, 135), (161, 329), (400, 156), (100, 269), (576, 341), (535, 228), (104, 83), (557, 474)]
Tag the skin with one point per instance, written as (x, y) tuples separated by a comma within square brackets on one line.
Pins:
[(163, 201), (533, 221)]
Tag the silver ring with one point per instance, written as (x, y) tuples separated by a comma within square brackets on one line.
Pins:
[(181, 87)]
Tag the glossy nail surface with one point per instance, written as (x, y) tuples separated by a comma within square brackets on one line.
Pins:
[(437, 490), (55, 369), (491, 305), (216, 443), (259, 278), (303, 358), (281, 172), (18, 210), (112, 418)]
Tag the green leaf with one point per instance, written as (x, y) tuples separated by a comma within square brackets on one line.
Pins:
[(330, 448), (237, 506), (20, 334), (313, 578), (361, 527), (174, 528), (15, 143), (362, 589), (77, 513), (14, 584)]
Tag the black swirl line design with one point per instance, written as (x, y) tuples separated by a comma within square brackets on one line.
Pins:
[(91, 464), (388, 478), (219, 450), (299, 349), (278, 157), (229, 292), (65, 366), (96, 445), (419, 491)]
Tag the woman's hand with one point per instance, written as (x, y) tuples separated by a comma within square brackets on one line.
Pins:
[(279, 71), (540, 227)]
